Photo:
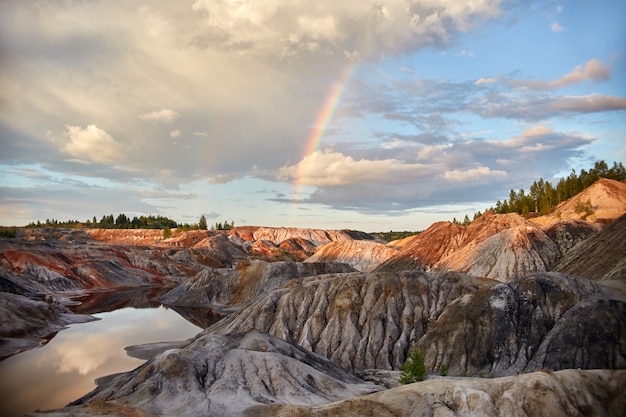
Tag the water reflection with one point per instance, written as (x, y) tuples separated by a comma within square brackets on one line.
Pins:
[(66, 368)]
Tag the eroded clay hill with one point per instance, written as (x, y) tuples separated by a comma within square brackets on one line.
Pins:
[(243, 283), (363, 255), (555, 394), (217, 375), (606, 199), (497, 246), (472, 325)]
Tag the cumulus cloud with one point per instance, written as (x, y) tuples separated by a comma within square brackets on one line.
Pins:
[(288, 29), (92, 145), (476, 174), (160, 116), (334, 169), (453, 172), (593, 70)]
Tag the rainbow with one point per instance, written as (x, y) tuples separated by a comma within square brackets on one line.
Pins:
[(324, 116)]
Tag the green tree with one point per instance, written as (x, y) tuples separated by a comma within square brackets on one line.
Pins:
[(167, 232), (202, 223), (414, 369)]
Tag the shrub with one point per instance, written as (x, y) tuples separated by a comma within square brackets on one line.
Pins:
[(413, 369), (443, 369)]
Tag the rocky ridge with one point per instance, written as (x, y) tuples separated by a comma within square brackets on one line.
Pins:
[(363, 321), (217, 375), (556, 394), (363, 255), (245, 282)]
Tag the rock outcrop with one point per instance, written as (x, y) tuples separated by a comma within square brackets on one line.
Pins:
[(602, 256), (277, 235), (472, 325), (357, 320), (568, 233), (216, 375), (61, 266), (248, 280), (555, 394), (362, 255), (27, 323), (497, 246), (548, 320)]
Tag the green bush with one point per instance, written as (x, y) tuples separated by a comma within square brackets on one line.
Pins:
[(443, 369), (413, 369)]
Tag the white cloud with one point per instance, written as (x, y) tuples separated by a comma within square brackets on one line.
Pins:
[(539, 130), (160, 116), (489, 80), (93, 145), (325, 169), (479, 173)]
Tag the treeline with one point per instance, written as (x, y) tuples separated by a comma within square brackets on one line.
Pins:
[(122, 221), (109, 222), (543, 196), (393, 235)]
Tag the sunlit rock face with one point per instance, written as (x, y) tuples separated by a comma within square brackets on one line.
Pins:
[(363, 255), (472, 325), (318, 237), (504, 247), (555, 394), (248, 280), (601, 256), (218, 375), (67, 267), (607, 200)]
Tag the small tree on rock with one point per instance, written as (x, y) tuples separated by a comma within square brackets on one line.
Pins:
[(413, 369)]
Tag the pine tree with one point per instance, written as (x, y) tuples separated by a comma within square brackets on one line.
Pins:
[(202, 223), (413, 369)]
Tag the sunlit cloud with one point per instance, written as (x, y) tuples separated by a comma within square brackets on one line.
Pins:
[(92, 145), (160, 116)]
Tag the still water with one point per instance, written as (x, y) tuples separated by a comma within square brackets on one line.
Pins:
[(65, 369)]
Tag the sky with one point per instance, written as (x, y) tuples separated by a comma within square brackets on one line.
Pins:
[(368, 115)]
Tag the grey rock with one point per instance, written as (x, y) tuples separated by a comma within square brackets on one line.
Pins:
[(555, 394), (218, 375)]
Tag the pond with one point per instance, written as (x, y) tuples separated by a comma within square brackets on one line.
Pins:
[(65, 368)]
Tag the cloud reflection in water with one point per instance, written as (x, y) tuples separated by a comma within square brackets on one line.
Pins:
[(66, 368)]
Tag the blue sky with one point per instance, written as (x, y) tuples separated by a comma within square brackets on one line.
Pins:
[(205, 107)]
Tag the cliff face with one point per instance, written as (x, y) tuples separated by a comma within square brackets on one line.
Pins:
[(601, 256), (357, 320), (362, 321)]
